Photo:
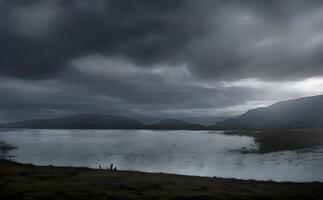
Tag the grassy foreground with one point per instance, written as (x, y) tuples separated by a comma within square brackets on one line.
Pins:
[(18, 181)]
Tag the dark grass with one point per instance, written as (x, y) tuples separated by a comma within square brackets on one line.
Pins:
[(18, 181)]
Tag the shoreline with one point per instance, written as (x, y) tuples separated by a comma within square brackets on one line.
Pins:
[(282, 139), (26, 181), (269, 140)]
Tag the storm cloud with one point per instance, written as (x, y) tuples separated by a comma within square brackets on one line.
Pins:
[(156, 58)]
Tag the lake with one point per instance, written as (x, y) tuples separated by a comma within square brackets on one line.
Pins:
[(200, 153)]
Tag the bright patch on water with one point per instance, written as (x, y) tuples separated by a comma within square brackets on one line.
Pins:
[(201, 153)]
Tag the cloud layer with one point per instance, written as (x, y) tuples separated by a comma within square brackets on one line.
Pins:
[(169, 58)]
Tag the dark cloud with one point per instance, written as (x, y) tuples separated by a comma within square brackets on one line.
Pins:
[(148, 32), (173, 57), (218, 39), (261, 39), (90, 93)]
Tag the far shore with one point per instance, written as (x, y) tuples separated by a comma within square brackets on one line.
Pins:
[(272, 140)]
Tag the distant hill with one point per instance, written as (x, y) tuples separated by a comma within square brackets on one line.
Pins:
[(95, 121), (79, 121), (299, 113), (175, 124), (205, 121)]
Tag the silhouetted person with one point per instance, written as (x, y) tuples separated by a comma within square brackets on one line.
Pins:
[(98, 162), (115, 168), (111, 166)]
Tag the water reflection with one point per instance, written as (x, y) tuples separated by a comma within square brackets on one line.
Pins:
[(202, 153)]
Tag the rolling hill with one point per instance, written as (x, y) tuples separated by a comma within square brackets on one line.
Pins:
[(95, 121), (175, 124), (302, 113), (79, 121)]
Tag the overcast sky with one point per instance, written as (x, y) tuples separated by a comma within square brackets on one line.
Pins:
[(166, 58)]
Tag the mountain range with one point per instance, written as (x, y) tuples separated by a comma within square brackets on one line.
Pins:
[(302, 113), (79, 121), (98, 121)]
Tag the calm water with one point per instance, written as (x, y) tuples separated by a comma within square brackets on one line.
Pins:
[(201, 153)]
